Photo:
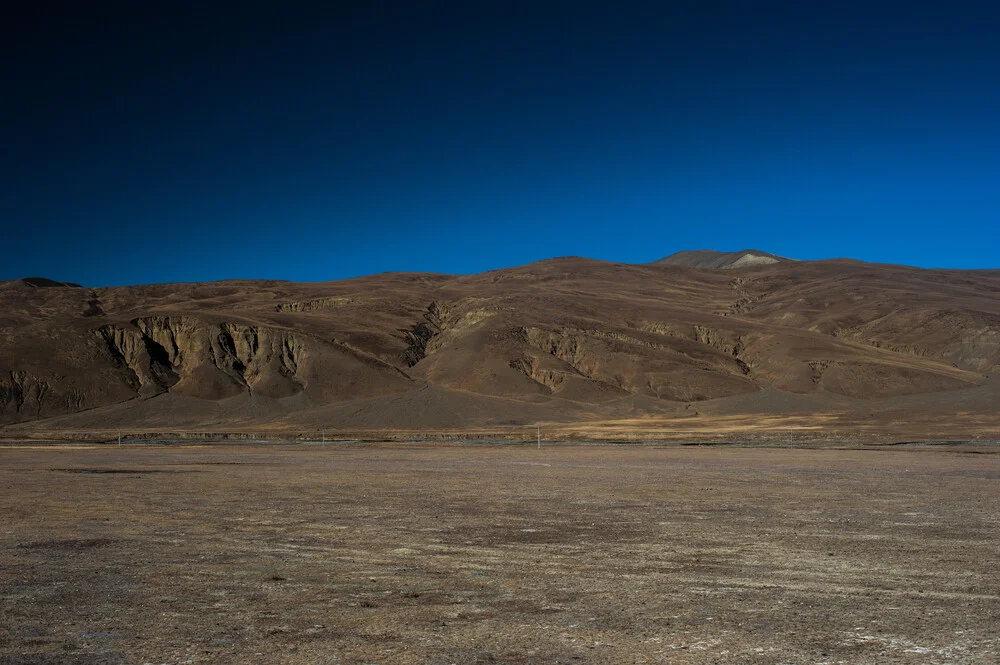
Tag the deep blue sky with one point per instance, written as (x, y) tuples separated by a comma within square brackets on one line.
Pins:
[(192, 143)]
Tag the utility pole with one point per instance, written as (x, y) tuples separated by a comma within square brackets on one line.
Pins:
[(119, 438), (324, 438), (539, 431)]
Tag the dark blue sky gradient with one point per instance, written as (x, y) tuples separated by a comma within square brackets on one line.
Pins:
[(193, 143)]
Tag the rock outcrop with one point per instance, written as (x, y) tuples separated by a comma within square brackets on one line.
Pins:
[(207, 360), (22, 395)]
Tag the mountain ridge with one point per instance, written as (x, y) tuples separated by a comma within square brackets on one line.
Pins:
[(715, 260), (567, 340)]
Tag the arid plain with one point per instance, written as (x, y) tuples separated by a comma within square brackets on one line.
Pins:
[(390, 553)]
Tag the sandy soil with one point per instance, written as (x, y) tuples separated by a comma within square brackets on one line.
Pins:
[(498, 554)]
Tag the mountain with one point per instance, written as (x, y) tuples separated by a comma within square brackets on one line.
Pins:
[(709, 259), (43, 282), (592, 349)]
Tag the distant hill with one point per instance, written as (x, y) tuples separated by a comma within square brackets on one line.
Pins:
[(712, 260), (44, 282), (884, 348)]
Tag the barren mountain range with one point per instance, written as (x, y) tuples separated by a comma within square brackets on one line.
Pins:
[(700, 345)]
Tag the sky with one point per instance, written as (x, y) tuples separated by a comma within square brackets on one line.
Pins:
[(163, 142)]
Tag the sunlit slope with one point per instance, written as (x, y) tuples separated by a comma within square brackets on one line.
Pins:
[(566, 338)]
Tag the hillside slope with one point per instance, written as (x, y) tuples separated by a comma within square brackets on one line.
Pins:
[(565, 340)]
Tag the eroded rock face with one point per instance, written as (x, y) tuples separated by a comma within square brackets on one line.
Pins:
[(639, 365), (27, 396), (22, 395), (444, 323), (970, 340), (187, 355), (314, 305), (148, 360), (419, 336)]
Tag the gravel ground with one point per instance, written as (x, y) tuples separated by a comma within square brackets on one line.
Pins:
[(498, 554)]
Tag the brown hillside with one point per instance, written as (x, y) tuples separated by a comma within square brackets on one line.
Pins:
[(566, 340)]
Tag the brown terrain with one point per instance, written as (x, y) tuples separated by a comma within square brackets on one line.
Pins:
[(357, 554), (765, 349), (802, 543)]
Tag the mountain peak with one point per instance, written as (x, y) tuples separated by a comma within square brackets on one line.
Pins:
[(713, 260)]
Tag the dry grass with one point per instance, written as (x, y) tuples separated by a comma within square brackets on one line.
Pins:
[(498, 554)]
